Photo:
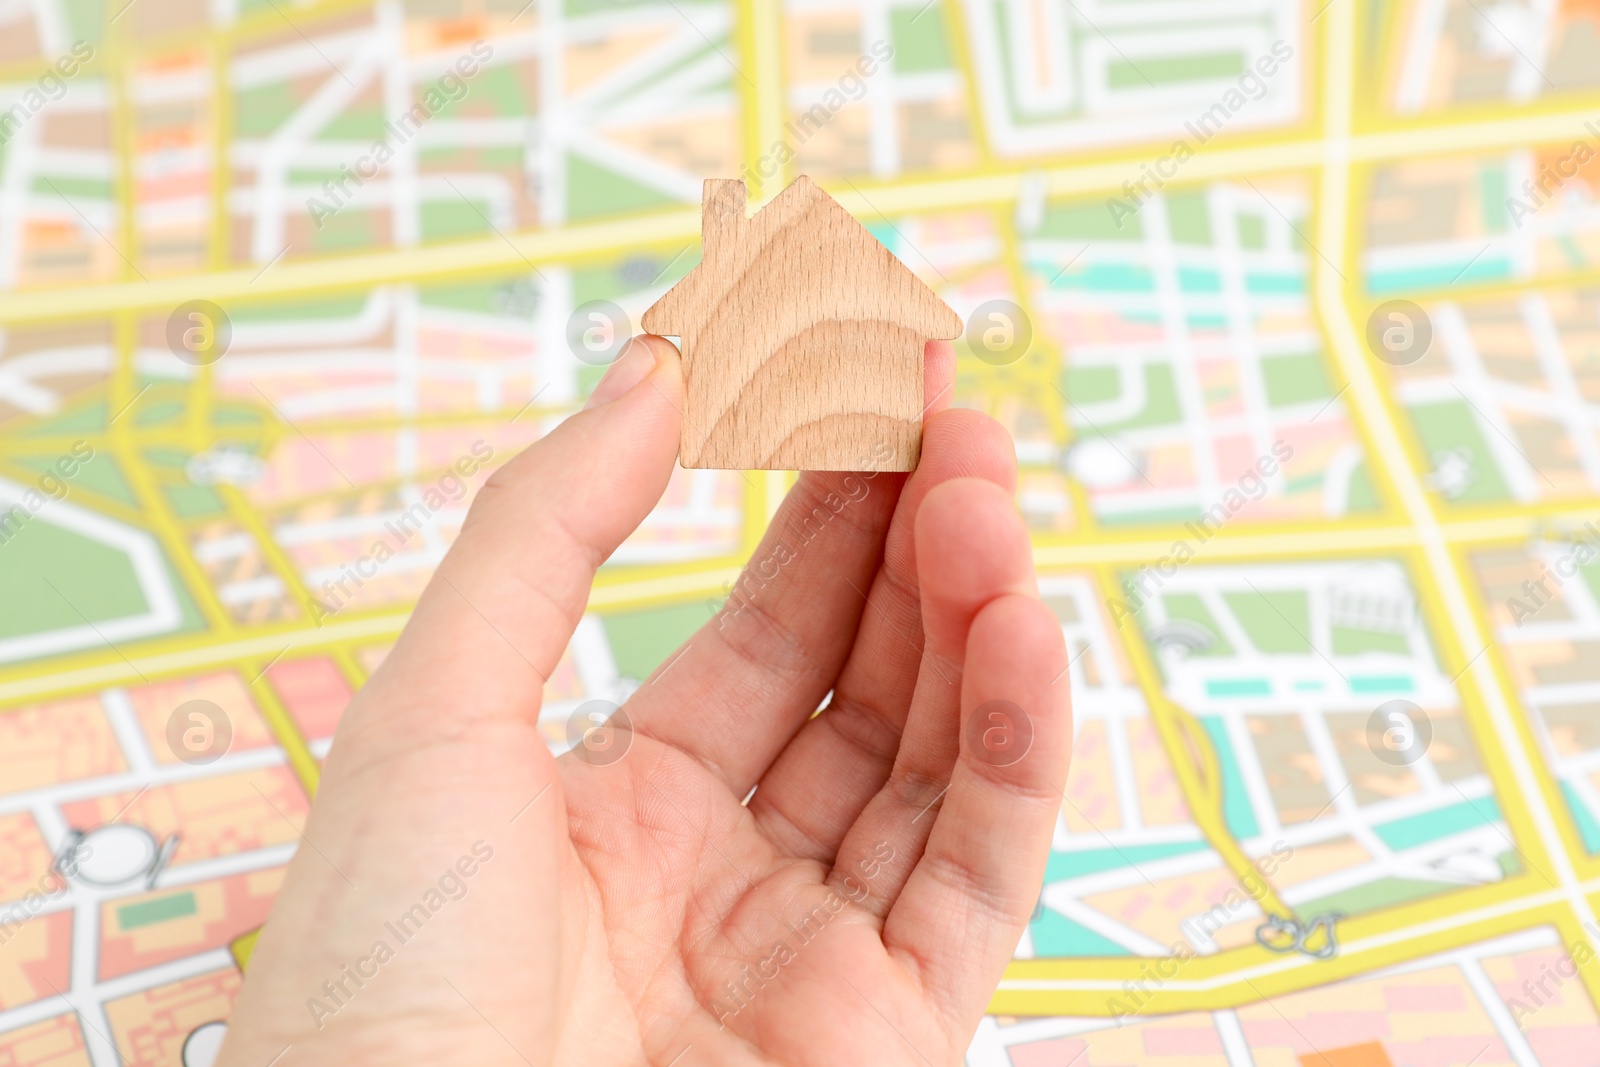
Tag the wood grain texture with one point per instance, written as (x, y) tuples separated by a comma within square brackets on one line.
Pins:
[(802, 338)]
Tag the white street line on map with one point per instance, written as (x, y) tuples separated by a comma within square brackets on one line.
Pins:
[(98, 632), (1339, 68), (1084, 415), (1309, 243), (1493, 425), (274, 5), (710, 43), (1514, 47)]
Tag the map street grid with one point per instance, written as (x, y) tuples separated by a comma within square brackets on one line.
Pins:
[(1306, 414)]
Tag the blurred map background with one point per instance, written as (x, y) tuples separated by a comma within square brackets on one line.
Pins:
[(1306, 415)]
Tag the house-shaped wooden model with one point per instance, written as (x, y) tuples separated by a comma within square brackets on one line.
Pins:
[(802, 338)]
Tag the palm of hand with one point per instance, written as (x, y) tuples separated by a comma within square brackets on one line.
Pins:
[(467, 899)]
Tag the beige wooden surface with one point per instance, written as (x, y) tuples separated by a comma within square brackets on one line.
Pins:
[(802, 338)]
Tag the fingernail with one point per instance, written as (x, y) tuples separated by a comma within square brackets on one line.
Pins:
[(638, 358)]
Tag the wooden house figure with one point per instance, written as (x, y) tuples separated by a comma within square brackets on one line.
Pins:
[(802, 338)]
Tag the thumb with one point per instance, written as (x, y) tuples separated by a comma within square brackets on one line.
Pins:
[(498, 614)]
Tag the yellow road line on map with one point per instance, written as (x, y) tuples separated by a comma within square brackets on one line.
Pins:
[(1418, 930), (1574, 936), (1554, 801), (1185, 741), (1237, 977), (293, 279), (123, 124), (1035, 374), (245, 514), (265, 25), (220, 241), (1435, 578), (530, 415), (635, 587), (1391, 468), (1456, 658), (186, 653), (758, 506), (955, 35), (1373, 114), (1467, 292), (284, 729), (344, 658), (668, 230), (167, 435), (760, 84), (76, 491), (155, 509)]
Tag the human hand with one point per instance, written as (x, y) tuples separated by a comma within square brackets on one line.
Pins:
[(465, 897)]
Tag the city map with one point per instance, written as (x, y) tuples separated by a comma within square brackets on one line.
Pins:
[(1305, 403)]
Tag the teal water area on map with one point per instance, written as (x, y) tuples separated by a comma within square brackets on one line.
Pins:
[(1237, 810), (1064, 865), (1588, 827), (1137, 278), (1381, 683), (1055, 935), (158, 910), (1437, 275), (1238, 687), (1414, 830)]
